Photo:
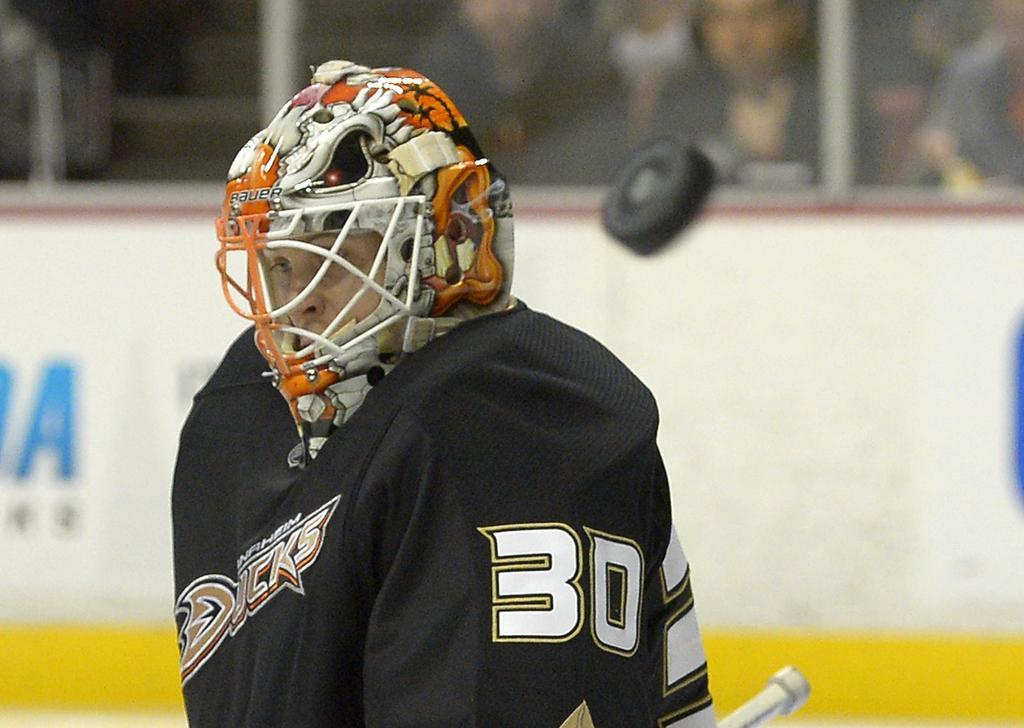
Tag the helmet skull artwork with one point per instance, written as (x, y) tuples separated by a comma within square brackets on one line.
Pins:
[(360, 154)]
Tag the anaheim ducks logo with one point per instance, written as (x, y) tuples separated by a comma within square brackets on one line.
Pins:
[(214, 607)]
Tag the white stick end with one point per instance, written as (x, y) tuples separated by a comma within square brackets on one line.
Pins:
[(793, 682)]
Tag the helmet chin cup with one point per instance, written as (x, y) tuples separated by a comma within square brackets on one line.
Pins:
[(295, 386)]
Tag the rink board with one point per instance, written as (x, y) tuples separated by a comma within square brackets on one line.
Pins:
[(841, 421), (855, 675)]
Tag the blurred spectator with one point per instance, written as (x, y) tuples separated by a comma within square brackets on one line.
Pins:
[(18, 42), (902, 48), (146, 39), (752, 100), (60, 98), (70, 25), (524, 75), (974, 135), (651, 40), (73, 29)]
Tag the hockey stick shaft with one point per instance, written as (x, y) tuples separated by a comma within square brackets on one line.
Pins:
[(786, 692)]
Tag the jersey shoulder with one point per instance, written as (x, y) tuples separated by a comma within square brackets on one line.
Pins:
[(524, 363), (241, 365), (237, 408), (518, 406)]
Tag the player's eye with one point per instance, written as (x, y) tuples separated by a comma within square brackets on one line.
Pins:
[(279, 270)]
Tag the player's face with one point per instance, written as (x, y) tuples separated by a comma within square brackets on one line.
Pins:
[(748, 37), (289, 271), (1009, 15), (509, 23)]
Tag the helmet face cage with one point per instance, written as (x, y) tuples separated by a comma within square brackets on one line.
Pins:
[(360, 150), (399, 294), (390, 306)]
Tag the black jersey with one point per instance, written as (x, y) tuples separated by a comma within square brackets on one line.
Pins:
[(487, 542)]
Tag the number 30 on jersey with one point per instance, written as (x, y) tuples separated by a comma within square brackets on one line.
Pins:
[(535, 585)]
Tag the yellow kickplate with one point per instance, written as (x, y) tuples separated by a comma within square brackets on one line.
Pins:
[(940, 677), (89, 667)]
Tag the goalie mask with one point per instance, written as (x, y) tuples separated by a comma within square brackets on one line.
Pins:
[(361, 223)]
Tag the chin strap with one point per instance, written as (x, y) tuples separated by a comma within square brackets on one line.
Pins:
[(421, 331)]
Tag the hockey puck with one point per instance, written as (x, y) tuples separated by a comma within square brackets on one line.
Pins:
[(659, 191)]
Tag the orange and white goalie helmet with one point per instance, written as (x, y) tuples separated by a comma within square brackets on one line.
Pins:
[(378, 155)]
